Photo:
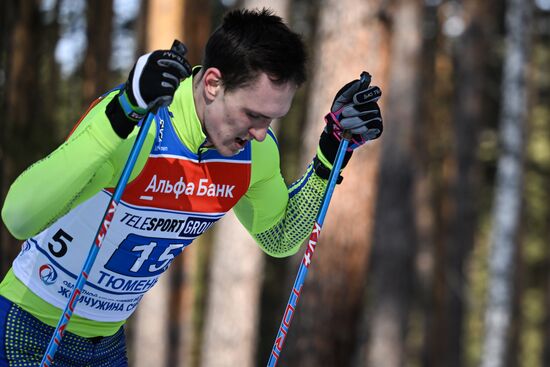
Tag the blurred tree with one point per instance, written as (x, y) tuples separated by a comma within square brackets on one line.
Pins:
[(350, 37), (141, 28), (17, 23), (395, 241), (534, 250), (164, 23), (232, 309), (428, 190), (507, 204), (544, 46), (99, 16), (29, 96), (545, 355), (432, 139), (470, 52), (197, 27)]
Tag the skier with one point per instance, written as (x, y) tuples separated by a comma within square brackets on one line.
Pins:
[(210, 150)]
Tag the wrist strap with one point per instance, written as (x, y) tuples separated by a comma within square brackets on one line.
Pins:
[(132, 112), (121, 123), (323, 171)]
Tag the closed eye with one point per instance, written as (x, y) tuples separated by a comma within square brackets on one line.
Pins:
[(254, 116)]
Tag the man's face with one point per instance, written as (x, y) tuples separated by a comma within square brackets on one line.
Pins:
[(233, 118)]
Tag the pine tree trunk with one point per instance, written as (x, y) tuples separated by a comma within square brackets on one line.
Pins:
[(350, 39), (196, 29), (509, 182), (545, 357), (99, 15), (231, 324), (470, 50), (164, 23), (394, 247), (10, 16), (428, 190), (22, 94)]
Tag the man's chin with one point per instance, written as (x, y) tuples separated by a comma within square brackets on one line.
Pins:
[(228, 152)]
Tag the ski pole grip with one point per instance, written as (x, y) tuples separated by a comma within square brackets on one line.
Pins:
[(179, 48), (365, 79)]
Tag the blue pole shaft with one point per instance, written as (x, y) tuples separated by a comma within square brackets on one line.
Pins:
[(306, 260), (57, 336)]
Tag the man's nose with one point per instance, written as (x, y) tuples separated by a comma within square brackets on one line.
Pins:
[(258, 133)]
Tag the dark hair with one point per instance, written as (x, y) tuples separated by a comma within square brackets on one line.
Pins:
[(249, 42)]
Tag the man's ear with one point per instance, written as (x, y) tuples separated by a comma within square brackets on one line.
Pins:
[(212, 83)]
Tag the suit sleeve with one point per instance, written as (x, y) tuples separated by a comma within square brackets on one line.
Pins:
[(89, 160), (279, 218)]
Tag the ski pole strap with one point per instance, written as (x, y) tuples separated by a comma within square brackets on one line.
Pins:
[(134, 113)]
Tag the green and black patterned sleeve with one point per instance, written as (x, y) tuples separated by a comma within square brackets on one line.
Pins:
[(280, 218)]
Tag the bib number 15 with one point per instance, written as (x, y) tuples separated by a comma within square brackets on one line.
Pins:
[(143, 256)]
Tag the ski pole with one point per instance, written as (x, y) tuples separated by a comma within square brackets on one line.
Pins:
[(94, 249), (306, 260)]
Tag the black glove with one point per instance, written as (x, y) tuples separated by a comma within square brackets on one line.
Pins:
[(151, 84), (355, 109)]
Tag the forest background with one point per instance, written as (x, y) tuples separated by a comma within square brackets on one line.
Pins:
[(435, 248)]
